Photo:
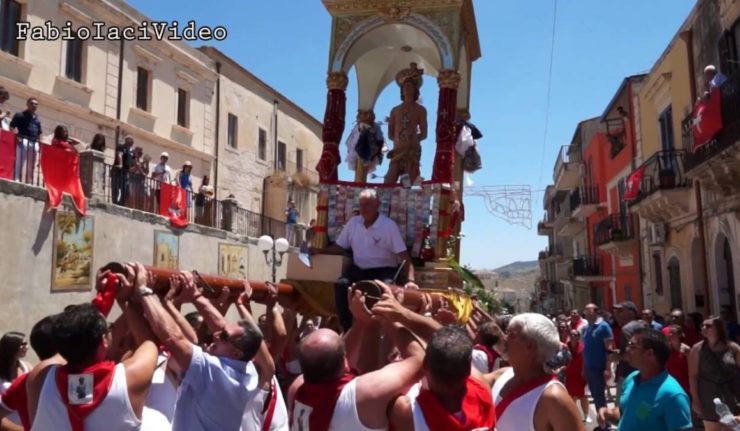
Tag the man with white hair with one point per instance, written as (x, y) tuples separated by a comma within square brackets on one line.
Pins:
[(527, 395), (712, 78), (377, 249)]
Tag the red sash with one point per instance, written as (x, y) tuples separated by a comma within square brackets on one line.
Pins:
[(477, 406), (15, 398), (490, 353), (517, 392), (270, 407), (106, 296), (322, 399), (102, 377)]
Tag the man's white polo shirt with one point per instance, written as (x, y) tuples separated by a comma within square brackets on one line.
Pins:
[(374, 247)]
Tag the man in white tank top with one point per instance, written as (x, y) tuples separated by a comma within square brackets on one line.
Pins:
[(328, 396), (89, 392), (528, 396)]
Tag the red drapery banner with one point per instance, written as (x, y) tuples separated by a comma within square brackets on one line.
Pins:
[(633, 182), (336, 100), (7, 154), (61, 169), (173, 204), (706, 119)]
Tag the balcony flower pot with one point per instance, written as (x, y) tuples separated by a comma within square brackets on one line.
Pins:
[(667, 178)]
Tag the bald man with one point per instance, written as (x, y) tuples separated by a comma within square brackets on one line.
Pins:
[(328, 396)]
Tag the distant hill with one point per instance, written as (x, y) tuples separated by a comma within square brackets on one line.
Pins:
[(517, 268)]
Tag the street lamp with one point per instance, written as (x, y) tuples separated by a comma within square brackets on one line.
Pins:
[(278, 247)]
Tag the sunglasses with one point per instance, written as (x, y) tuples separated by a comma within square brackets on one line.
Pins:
[(225, 337), (706, 325), (575, 334)]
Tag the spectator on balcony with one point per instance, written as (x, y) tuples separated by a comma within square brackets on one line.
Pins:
[(204, 202), (123, 160), (185, 180), (28, 127), (291, 218), (648, 316), (98, 142), (4, 113), (712, 79), (62, 140), (162, 174), (138, 173)]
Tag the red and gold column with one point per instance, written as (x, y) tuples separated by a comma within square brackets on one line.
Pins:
[(444, 157), (336, 101)]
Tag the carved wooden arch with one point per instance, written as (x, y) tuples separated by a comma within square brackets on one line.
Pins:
[(420, 22)]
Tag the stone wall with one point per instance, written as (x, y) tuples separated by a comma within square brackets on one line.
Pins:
[(120, 234)]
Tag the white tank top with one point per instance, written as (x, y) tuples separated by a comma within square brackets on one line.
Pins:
[(159, 407), (519, 415), (420, 424), (345, 415), (114, 413), (253, 418)]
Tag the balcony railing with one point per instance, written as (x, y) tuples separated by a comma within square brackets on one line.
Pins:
[(588, 266), (614, 228), (730, 133), (663, 171), (584, 195)]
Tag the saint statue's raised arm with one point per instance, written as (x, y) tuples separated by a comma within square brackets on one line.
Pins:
[(407, 127)]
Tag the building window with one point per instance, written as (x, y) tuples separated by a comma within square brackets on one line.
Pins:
[(621, 187), (282, 150), (142, 88), (182, 107), (666, 129), (73, 68), (658, 269), (262, 145), (299, 160), (10, 15), (233, 130)]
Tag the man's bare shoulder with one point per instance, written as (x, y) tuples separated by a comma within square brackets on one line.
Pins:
[(556, 411), (491, 377)]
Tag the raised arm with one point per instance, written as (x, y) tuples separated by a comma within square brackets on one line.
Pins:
[(362, 339), (390, 308), (694, 378), (172, 306), (278, 333)]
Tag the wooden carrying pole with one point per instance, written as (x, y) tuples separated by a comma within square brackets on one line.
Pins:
[(412, 299)]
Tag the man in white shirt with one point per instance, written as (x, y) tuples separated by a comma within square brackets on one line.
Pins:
[(162, 172), (377, 249)]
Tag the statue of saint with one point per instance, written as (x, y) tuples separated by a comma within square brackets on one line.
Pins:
[(407, 127)]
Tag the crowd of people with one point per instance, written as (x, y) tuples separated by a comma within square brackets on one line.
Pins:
[(131, 183), (389, 367)]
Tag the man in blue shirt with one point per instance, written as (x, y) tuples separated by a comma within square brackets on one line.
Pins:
[(648, 316), (28, 127), (651, 399), (598, 342)]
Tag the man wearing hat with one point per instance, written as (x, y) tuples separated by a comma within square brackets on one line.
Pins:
[(628, 318)]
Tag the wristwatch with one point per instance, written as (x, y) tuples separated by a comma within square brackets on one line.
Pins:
[(145, 291)]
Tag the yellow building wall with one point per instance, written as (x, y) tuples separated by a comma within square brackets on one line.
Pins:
[(667, 83)]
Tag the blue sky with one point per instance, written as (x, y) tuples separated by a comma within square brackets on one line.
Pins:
[(597, 44)]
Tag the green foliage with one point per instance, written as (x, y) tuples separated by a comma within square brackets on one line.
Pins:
[(471, 283)]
